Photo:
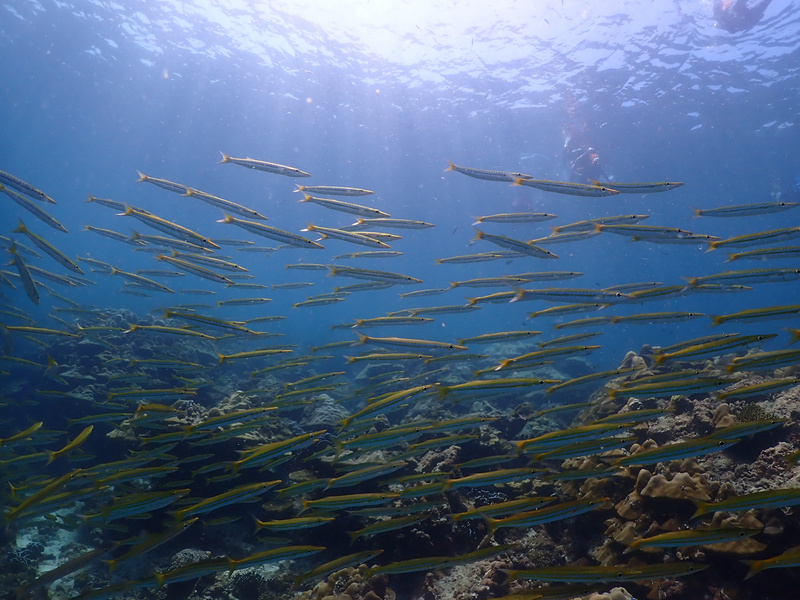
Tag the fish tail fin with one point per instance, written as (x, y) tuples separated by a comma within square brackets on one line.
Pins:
[(189, 192), (793, 333), (716, 320), (633, 546), (756, 566), (258, 524), (732, 257), (300, 188), (345, 422), (479, 235), (362, 339), (491, 524), (338, 449), (519, 293), (21, 227), (127, 212), (450, 166), (518, 181), (142, 177), (225, 158), (226, 219), (701, 509), (222, 358), (713, 245), (111, 564), (508, 575), (691, 282)]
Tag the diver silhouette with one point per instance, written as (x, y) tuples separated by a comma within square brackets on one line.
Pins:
[(584, 163), (736, 15)]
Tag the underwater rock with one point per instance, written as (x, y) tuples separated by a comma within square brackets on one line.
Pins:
[(786, 405), (681, 486), (187, 556), (722, 417), (617, 593), (324, 413), (351, 583), (88, 347), (633, 361)]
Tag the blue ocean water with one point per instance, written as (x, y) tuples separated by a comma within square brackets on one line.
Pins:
[(92, 93), (381, 95)]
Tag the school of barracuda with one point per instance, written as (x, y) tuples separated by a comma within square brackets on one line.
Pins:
[(210, 462)]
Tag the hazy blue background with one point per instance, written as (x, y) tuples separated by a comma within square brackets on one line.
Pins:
[(380, 95)]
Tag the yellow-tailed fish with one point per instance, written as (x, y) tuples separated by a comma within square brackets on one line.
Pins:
[(566, 187), (372, 275), (487, 175), (241, 494), (777, 498), (172, 229), (642, 188), (142, 281), (757, 314), (47, 247), (187, 266), (790, 558), (520, 217), (11, 181), (679, 450), (387, 222), (273, 233), (32, 208), (758, 238), (590, 225), (24, 275), (513, 244), (766, 253), (333, 190), (745, 210), (347, 207), (225, 205), (361, 239), (75, 443), (262, 165)]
